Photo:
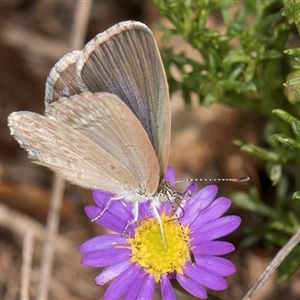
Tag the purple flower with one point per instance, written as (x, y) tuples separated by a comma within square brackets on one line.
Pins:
[(138, 261)]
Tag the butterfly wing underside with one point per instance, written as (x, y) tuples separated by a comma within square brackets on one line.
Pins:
[(125, 61), (61, 81), (66, 147)]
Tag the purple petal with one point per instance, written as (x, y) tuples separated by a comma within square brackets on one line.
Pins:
[(133, 291), (215, 210), (169, 174), (205, 277), (192, 286), (186, 197), (211, 248), (110, 219), (167, 208), (166, 289), (103, 258), (112, 271), (216, 229), (119, 209), (172, 275), (198, 202), (122, 283), (189, 190), (144, 211), (219, 265), (101, 242), (147, 288), (100, 197)]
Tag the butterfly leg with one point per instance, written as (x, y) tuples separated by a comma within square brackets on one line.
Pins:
[(103, 211), (135, 212)]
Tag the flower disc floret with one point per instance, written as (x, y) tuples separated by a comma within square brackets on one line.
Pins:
[(148, 249)]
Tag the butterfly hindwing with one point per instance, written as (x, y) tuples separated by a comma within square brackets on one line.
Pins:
[(61, 81)]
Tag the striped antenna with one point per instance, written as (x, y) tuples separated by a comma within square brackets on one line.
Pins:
[(237, 179), (177, 218)]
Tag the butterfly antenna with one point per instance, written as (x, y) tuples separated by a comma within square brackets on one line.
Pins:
[(192, 256), (183, 212), (237, 179)]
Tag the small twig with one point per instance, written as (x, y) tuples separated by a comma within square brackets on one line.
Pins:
[(80, 24), (33, 43), (20, 224), (274, 264), (26, 265), (52, 228)]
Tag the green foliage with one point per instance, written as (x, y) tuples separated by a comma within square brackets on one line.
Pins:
[(244, 62), (235, 66), (289, 266)]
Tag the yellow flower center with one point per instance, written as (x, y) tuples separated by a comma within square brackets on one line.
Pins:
[(148, 249)]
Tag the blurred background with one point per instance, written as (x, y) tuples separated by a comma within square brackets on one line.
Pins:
[(33, 37)]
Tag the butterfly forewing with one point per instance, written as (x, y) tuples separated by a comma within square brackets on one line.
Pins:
[(92, 140), (125, 61), (107, 121)]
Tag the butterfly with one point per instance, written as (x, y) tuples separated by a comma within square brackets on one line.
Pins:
[(107, 118)]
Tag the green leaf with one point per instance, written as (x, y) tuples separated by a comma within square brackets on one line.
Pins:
[(292, 52), (296, 195), (296, 129), (270, 54), (236, 56), (293, 82), (289, 266), (251, 203), (284, 139), (285, 116), (258, 151), (275, 173), (282, 226)]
